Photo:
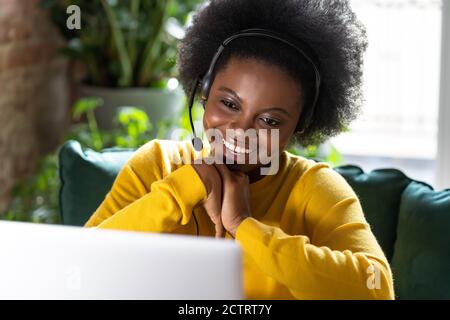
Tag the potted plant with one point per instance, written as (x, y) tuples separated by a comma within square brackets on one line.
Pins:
[(128, 48)]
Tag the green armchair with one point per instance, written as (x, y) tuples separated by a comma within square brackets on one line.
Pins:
[(410, 220)]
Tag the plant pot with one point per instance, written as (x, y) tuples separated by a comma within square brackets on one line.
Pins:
[(159, 104)]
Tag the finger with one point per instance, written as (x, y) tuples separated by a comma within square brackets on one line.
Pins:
[(229, 176), (220, 230), (208, 160), (223, 170), (218, 225), (214, 210)]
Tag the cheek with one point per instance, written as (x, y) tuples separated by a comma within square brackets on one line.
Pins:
[(279, 141), (284, 140), (213, 117)]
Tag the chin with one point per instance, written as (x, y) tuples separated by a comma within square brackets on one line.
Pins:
[(245, 168), (235, 167)]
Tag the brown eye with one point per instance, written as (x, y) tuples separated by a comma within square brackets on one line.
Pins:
[(271, 122), (229, 104)]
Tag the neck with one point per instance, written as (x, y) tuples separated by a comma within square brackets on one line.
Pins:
[(254, 175)]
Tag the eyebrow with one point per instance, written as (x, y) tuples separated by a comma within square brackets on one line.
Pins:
[(234, 94), (230, 91)]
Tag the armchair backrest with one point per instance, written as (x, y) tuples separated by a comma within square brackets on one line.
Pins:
[(410, 220)]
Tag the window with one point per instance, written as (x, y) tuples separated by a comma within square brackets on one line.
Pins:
[(399, 120)]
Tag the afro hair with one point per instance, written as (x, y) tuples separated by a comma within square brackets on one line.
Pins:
[(329, 27)]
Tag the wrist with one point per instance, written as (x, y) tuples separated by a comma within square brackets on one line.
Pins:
[(232, 230)]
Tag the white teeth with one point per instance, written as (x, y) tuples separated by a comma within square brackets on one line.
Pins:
[(236, 149)]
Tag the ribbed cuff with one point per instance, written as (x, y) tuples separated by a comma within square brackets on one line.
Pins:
[(248, 229), (188, 185)]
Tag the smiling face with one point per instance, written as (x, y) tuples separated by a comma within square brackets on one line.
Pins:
[(250, 94)]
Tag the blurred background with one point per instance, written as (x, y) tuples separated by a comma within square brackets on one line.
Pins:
[(109, 79)]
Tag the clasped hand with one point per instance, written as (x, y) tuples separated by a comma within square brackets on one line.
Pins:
[(228, 200)]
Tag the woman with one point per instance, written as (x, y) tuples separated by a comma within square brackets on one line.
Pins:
[(302, 229)]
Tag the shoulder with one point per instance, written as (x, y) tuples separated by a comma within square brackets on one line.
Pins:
[(161, 157), (325, 194), (319, 177)]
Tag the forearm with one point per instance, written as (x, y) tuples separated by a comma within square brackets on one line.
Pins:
[(312, 272), (168, 205)]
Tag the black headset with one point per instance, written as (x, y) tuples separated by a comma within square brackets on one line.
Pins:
[(207, 80)]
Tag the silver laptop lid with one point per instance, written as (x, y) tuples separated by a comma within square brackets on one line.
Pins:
[(60, 262)]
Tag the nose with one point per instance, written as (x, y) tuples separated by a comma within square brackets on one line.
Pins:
[(241, 132), (241, 123)]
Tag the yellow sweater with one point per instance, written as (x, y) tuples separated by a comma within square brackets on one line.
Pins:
[(307, 237)]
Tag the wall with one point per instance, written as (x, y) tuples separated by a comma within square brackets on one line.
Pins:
[(443, 160), (33, 91)]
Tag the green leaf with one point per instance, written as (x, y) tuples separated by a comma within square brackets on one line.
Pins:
[(334, 157), (82, 106), (122, 42)]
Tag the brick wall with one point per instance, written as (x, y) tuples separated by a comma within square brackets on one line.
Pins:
[(33, 90)]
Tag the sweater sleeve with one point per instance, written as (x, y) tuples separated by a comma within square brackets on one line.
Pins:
[(148, 196), (338, 258), (168, 205)]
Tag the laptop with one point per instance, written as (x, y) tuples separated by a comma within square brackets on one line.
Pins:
[(40, 261)]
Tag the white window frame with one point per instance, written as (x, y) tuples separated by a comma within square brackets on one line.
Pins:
[(443, 154)]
